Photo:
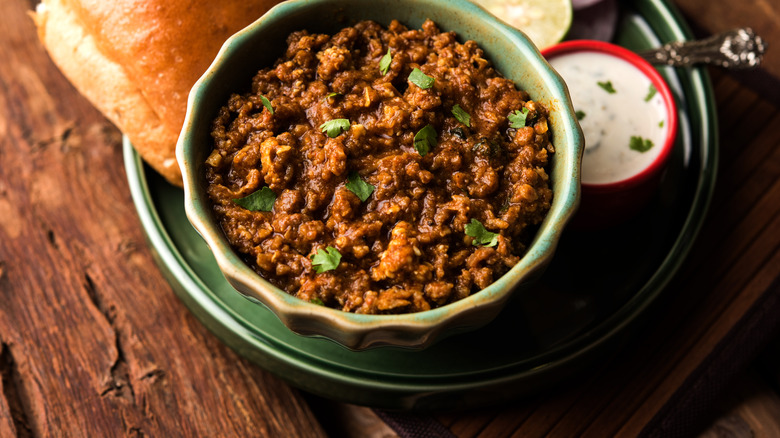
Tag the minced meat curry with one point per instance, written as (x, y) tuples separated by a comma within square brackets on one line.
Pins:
[(380, 170)]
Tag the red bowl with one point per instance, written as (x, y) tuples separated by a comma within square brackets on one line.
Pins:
[(608, 204)]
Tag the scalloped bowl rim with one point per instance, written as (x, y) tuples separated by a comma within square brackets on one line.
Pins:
[(412, 330)]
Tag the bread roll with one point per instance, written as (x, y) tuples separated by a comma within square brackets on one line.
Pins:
[(136, 60)]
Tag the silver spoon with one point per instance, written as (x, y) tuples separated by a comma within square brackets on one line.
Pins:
[(735, 49)]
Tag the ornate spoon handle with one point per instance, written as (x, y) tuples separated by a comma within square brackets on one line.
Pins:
[(735, 49)]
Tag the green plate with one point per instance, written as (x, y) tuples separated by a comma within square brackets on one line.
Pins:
[(599, 287)]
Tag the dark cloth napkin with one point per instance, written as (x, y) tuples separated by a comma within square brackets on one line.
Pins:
[(409, 425)]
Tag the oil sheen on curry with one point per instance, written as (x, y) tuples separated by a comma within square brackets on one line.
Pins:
[(380, 170)]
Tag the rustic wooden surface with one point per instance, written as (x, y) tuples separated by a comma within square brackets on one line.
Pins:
[(735, 265), (733, 269), (93, 342), (718, 16)]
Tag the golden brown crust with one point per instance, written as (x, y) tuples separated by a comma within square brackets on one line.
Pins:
[(136, 60)]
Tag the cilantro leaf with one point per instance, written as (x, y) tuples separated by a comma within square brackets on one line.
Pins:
[(639, 144), (580, 115), (462, 116), (335, 127), (316, 301), (384, 63), (326, 260), (417, 77), (661, 124), (480, 234), (425, 140), (359, 187), (650, 93), (260, 200), (518, 118), (267, 104), (607, 86)]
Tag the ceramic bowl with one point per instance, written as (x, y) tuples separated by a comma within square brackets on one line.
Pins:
[(610, 203), (261, 43)]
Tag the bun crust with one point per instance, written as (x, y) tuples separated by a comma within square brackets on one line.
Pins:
[(136, 60)]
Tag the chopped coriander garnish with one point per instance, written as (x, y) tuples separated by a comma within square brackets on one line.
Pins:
[(650, 93), (661, 124), (480, 234), (425, 140), (326, 260), (607, 86), (267, 104), (333, 94), (316, 301), (462, 116), (518, 118), (260, 200), (417, 77), (335, 127), (359, 187), (384, 63), (580, 115), (640, 144)]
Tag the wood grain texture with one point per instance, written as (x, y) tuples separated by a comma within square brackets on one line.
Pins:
[(735, 263), (344, 420), (733, 267), (719, 16), (93, 340)]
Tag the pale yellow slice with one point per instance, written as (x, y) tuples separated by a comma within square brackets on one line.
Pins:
[(546, 22)]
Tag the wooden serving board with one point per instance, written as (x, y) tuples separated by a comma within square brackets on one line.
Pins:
[(722, 308), (94, 342)]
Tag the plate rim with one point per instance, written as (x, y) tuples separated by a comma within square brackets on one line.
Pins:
[(264, 353)]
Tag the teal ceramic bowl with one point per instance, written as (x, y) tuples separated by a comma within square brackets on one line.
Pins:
[(261, 43)]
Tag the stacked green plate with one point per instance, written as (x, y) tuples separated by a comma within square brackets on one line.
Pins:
[(598, 288)]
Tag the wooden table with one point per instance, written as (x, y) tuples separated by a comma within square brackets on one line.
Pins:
[(95, 343)]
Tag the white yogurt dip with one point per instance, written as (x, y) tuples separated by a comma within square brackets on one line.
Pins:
[(619, 111)]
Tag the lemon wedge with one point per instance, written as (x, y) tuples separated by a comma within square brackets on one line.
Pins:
[(546, 22)]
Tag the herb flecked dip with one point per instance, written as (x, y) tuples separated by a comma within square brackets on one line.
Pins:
[(380, 170), (621, 113)]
